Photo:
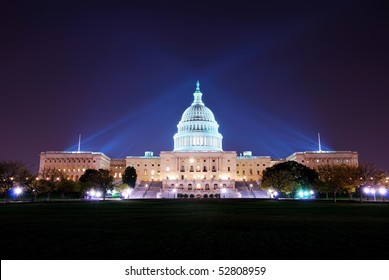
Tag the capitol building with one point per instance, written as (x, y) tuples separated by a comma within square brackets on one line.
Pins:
[(197, 166)]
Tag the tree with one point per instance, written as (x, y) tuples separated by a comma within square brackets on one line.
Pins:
[(34, 186), (129, 177), (12, 173), (371, 176), (281, 180), (288, 176), (100, 179), (120, 188), (50, 179), (66, 186), (339, 178)]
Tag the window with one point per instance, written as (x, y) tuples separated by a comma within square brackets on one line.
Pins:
[(228, 168), (145, 172), (191, 169)]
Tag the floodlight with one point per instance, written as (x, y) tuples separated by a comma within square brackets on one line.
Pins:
[(18, 191)]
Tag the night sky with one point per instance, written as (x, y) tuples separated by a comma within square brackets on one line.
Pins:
[(274, 74)]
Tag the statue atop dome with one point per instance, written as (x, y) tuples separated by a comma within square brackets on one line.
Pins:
[(197, 95)]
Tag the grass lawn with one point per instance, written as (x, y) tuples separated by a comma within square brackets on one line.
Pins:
[(194, 229)]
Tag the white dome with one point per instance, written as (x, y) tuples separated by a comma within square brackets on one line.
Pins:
[(198, 129)]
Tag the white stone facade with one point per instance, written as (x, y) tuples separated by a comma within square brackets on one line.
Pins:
[(73, 164), (196, 165), (314, 159)]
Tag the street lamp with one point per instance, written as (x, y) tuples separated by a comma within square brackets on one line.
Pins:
[(224, 192), (174, 193), (366, 190), (382, 191), (273, 193), (17, 191), (373, 191)]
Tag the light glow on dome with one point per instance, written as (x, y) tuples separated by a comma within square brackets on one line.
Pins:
[(198, 129)]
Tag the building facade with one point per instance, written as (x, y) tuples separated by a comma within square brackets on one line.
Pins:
[(197, 163)]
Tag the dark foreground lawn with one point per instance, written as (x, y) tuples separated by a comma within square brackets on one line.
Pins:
[(214, 229)]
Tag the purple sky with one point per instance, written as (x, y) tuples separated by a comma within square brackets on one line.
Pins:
[(274, 73)]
